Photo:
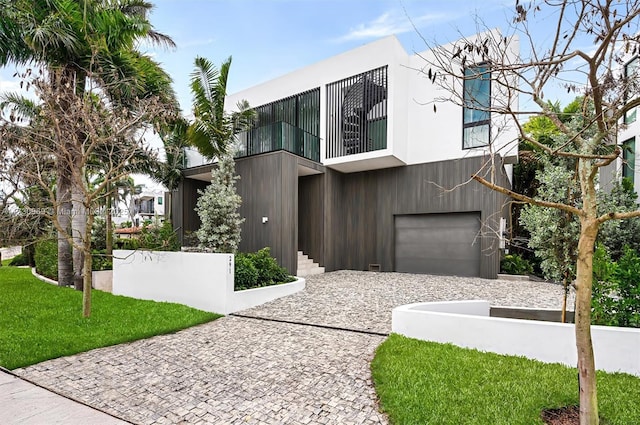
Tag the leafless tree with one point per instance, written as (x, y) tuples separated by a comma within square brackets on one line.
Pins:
[(87, 135), (583, 52)]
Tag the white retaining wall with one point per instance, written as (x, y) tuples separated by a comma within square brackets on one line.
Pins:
[(200, 280), (467, 324)]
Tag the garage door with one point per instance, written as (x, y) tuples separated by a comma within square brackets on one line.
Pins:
[(445, 244)]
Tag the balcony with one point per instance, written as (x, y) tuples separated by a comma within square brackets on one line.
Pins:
[(278, 136)]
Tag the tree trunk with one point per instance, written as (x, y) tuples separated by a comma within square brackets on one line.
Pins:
[(586, 361), (63, 212), (79, 231), (87, 277), (584, 285), (108, 222)]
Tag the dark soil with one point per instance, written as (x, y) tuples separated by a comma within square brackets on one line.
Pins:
[(568, 415)]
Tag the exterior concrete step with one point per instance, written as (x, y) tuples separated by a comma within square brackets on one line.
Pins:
[(306, 265)]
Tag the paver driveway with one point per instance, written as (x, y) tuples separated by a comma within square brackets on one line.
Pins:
[(246, 370)]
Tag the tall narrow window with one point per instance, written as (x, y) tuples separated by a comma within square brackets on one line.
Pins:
[(476, 122), (630, 70), (629, 158)]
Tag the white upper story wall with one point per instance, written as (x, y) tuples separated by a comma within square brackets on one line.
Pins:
[(415, 134)]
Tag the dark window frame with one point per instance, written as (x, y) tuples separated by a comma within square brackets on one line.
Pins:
[(626, 118), (479, 123), (628, 166)]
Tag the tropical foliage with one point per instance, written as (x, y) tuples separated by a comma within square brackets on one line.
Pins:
[(217, 208)]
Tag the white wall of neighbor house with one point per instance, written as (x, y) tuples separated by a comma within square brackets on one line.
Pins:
[(467, 324), (630, 131)]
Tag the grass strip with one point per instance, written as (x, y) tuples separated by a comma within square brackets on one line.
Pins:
[(39, 321), (421, 382)]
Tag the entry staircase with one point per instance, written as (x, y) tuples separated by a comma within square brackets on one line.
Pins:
[(306, 266)]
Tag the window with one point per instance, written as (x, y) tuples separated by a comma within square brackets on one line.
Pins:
[(629, 158), (630, 70), (476, 120), (159, 200)]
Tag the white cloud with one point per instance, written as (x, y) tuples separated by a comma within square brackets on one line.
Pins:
[(390, 23)]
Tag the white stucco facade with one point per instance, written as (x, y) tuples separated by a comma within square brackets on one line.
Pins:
[(415, 132)]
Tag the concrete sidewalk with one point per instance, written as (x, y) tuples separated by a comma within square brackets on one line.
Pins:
[(24, 403)]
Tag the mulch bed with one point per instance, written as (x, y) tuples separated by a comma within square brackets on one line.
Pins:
[(568, 415)]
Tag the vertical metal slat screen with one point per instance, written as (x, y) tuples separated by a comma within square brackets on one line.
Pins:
[(357, 114)]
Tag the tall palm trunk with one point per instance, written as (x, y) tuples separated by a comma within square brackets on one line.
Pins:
[(79, 231), (63, 212), (108, 221)]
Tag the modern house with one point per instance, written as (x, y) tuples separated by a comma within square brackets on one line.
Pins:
[(350, 163), (148, 205)]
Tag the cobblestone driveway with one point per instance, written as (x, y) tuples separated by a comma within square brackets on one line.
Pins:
[(243, 370)]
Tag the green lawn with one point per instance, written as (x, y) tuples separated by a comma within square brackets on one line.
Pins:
[(421, 382), (39, 321)]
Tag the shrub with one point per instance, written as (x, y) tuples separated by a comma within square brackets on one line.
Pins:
[(246, 274), (100, 261), (46, 258), (217, 208), (19, 260), (159, 238), (123, 243), (616, 289), (267, 270), (515, 264)]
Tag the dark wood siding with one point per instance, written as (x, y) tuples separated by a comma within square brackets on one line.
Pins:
[(269, 188), (185, 218), (311, 216), (346, 221), (360, 230)]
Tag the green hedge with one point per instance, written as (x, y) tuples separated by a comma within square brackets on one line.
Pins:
[(46, 258), (258, 269)]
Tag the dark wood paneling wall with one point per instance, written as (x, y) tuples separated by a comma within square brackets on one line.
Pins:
[(269, 188), (360, 214), (185, 218), (311, 216), (346, 221)]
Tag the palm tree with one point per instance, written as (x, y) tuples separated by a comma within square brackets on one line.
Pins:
[(212, 129), (80, 41)]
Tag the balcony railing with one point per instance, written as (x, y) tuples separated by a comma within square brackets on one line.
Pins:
[(278, 136)]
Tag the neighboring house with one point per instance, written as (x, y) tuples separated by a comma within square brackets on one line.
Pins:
[(148, 205), (348, 165), (628, 139)]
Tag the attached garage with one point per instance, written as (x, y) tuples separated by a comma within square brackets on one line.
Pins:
[(443, 244)]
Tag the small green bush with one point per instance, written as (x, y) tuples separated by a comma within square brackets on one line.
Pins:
[(123, 243), (159, 237), (616, 289), (246, 274), (46, 258), (19, 260), (515, 264), (267, 270), (100, 261)]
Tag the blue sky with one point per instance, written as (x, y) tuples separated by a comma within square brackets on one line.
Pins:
[(268, 38)]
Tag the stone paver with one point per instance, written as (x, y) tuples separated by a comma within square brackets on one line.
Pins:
[(233, 370), (250, 371), (364, 300)]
